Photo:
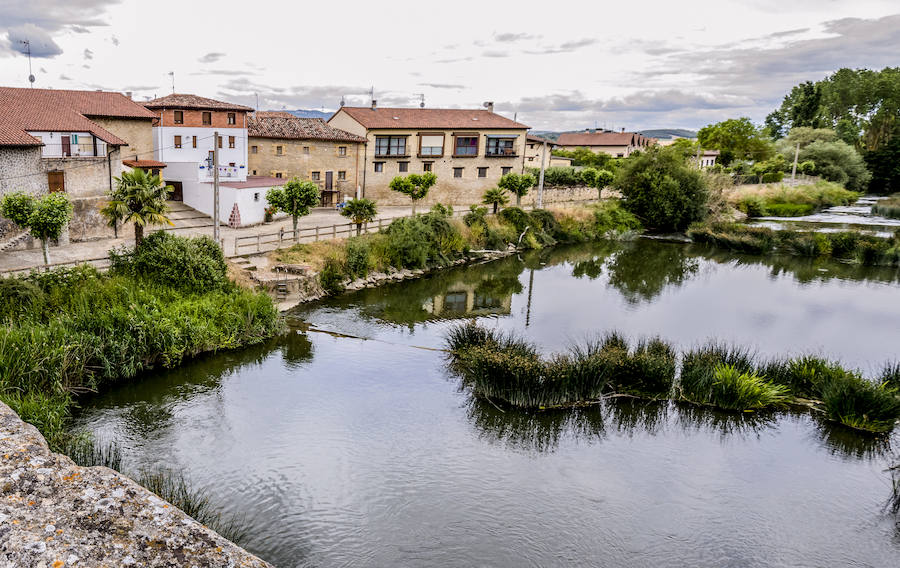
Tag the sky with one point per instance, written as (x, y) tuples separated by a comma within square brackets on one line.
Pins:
[(553, 66)]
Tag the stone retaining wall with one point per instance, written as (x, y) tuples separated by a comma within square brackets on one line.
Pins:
[(55, 514)]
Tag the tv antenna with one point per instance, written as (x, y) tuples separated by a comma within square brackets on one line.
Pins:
[(172, 75), (28, 53), (421, 99), (372, 94), (343, 102)]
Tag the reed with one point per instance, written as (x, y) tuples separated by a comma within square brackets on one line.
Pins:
[(889, 207), (861, 404)]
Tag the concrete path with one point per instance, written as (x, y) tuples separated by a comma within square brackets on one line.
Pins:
[(19, 260)]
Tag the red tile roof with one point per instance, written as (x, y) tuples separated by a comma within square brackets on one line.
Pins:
[(539, 140), (275, 125), (477, 119), (274, 114), (143, 163), (22, 110), (177, 100)]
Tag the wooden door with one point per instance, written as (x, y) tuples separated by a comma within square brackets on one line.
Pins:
[(329, 181), (177, 191), (56, 181), (66, 145)]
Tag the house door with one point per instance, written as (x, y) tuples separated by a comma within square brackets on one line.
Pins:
[(56, 181), (177, 191), (329, 181), (66, 145)]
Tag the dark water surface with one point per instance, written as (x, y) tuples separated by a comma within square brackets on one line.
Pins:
[(363, 451)]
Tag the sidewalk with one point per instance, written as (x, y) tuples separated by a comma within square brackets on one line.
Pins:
[(17, 260)]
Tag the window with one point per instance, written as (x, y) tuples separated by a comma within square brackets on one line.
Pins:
[(279, 150), (457, 172), (231, 164), (254, 149), (179, 117), (231, 118), (404, 166), (207, 118), (178, 141), (390, 145), (620, 155), (278, 175), (426, 166), (530, 158), (193, 141), (342, 175), (306, 149), (379, 166), (56, 181), (220, 141), (482, 172), (256, 196), (505, 170), (466, 146), (501, 147), (342, 151), (254, 173), (231, 141), (316, 176), (431, 145)]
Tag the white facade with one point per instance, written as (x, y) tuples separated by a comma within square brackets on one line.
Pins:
[(80, 144), (232, 161)]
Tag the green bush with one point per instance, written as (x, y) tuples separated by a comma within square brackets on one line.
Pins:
[(772, 177), (861, 404), (19, 297), (359, 258), (788, 209), (610, 216), (190, 263), (331, 276)]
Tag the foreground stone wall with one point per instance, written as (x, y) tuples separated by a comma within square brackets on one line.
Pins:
[(54, 513)]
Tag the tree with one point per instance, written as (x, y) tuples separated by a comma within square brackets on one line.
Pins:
[(838, 162), (140, 198), (736, 139), (45, 218), (662, 190), (583, 156), (296, 198), (359, 211), (495, 196), (114, 211), (416, 186), (517, 185), (602, 179)]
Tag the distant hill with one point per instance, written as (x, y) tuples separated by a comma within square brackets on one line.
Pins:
[(301, 113), (662, 133)]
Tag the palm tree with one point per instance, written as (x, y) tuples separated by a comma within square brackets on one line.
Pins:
[(496, 197), (359, 211), (138, 198)]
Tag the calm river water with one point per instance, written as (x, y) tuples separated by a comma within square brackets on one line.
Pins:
[(357, 448)]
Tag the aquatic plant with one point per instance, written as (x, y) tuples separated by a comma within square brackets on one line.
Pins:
[(888, 207), (861, 404), (733, 389)]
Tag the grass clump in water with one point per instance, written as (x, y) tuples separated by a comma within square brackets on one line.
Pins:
[(889, 207), (861, 404), (733, 389), (734, 236)]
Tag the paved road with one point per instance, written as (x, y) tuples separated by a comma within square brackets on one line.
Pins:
[(24, 259)]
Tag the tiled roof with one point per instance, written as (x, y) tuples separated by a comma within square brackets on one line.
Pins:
[(177, 100), (274, 114), (539, 140), (59, 110), (143, 163), (274, 125), (596, 138), (477, 119)]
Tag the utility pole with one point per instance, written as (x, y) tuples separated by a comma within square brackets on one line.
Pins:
[(28, 53), (216, 186), (540, 199), (794, 169)]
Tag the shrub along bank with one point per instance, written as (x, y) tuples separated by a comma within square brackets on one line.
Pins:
[(507, 369), (71, 331), (786, 201), (436, 239)]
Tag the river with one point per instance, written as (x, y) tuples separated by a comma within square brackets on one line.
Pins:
[(346, 442)]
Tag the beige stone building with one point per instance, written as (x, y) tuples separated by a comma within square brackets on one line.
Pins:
[(616, 144), (539, 150), (284, 146), (468, 150)]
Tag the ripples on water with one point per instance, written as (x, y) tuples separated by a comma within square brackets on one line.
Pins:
[(365, 452)]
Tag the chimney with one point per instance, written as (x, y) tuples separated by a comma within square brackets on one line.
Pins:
[(374, 104), (623, 130), (128, 94), (490, 106)]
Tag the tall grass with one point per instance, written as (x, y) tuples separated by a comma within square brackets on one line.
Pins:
[(788, 201), (889, 207)]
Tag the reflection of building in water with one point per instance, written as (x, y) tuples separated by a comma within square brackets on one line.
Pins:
[(463, 299)]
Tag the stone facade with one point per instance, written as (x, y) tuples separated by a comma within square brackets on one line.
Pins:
[(137, 132), (301, 158), (55, 513)]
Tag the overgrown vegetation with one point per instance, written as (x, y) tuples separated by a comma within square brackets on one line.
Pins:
[(71, 331), (889, 207), (509, 370), (847, 245), (787, 201)]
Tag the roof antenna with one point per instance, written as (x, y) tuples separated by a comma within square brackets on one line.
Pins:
[(28, 53), (372, 94), (342, 101), (421, 99), (257, 101), (172, 75)]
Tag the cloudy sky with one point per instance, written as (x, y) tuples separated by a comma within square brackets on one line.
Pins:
[(577, 64)]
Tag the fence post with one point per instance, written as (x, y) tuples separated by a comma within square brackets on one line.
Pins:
[(257, 242), (334, 231), (317, 233), (236, 246), (379, 223), (280, 236)]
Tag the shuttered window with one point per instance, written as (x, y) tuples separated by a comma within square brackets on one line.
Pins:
[(56, 181)]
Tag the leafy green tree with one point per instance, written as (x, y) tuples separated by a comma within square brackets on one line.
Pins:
[(415, 186), (800, 108), (884, 163), (517, 184), (662, 190), (495, 196), (582, 156), (686, 147), (603, 179), (838, 162), (296, 198), (140, 198), (808, 167), (736, 139), (45, 218), (359, 211)]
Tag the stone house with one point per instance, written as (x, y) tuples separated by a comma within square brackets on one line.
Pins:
[(285, 146), (536, 152), (468, 150), (616, 144), (72, 141)]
